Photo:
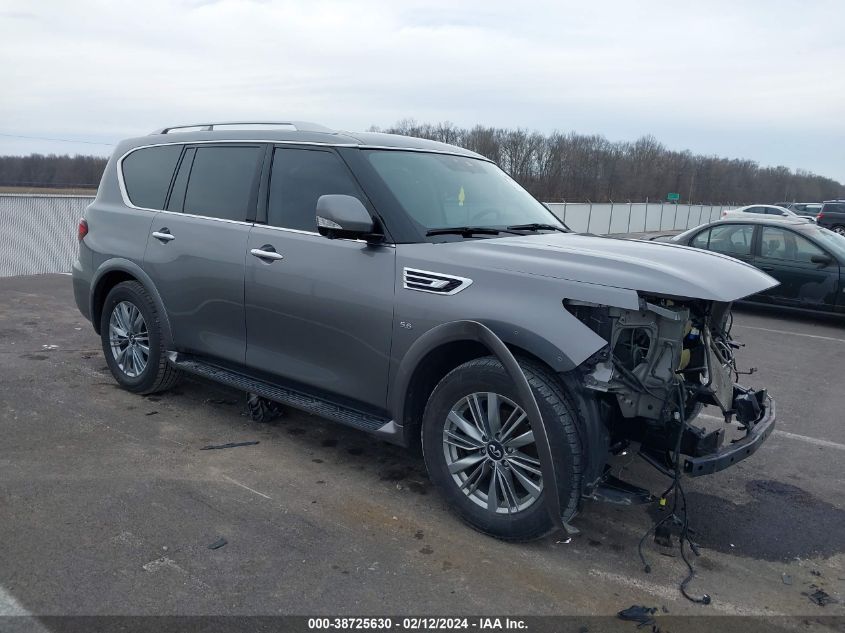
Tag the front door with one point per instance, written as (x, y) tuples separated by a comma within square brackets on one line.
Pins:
[(787, 256), (319, 312), (195, 254)]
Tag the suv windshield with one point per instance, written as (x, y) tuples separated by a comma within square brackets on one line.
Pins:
[(442, 191)]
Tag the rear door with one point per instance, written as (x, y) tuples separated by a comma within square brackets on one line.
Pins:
[(197, 248), (319, 312), (786, 256)]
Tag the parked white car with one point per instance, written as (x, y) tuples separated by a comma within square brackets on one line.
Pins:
[(771, 210)]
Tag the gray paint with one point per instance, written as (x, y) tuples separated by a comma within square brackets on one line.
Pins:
[(323, 315), (333, 315)]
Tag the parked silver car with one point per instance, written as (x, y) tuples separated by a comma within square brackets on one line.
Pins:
[(413, 290)]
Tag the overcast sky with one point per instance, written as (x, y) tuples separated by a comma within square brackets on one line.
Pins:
[(757, 79)]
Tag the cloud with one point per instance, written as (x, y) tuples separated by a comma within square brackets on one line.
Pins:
[(690, 73)]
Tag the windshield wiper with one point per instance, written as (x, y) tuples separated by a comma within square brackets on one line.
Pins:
[(534, 226), (468, 231)]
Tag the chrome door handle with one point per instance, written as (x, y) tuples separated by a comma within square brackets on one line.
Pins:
[(262, 254), (163, 236)]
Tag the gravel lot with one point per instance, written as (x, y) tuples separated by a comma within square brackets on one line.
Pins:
[(107, 505)]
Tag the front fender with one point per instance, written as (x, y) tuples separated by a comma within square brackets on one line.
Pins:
[(478, 332)]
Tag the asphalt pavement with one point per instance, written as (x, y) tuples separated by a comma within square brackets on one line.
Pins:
[(108, 505)]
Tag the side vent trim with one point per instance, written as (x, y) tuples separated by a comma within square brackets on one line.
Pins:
[(435, 283)]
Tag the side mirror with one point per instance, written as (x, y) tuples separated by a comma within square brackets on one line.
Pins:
[(344, 216), (822, 260)]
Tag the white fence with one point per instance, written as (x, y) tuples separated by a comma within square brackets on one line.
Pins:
[(38, 232), (633, 217)]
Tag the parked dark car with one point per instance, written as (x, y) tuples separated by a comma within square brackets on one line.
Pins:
[(807, 260), (832, 216)]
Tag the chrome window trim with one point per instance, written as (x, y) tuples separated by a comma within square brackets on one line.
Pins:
[(125, 196), (198, 217), (465, 281), (122, 185), (301, 232)]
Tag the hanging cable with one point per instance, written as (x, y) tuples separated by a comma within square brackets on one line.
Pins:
[(677, 494)]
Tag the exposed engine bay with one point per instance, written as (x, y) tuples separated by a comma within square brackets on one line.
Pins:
[(669, 357)]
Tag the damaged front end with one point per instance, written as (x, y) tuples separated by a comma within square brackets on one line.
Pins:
[(662, 364)]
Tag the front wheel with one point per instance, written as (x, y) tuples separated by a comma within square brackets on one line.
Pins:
[(481, 454)]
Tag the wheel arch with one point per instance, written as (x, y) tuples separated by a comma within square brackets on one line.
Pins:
[(464, 340), (114, 271)]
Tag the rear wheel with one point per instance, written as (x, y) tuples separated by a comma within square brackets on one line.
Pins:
[(133, 340), (481, 454), (839, 229)]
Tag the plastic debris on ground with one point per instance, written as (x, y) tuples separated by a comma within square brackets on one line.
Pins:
[(822, 598), (218, 543), (638, 613), (213, 447)]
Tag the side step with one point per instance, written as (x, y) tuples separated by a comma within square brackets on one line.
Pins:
[(283, 395)]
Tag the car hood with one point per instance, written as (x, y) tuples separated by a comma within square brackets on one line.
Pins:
[(650, 267)]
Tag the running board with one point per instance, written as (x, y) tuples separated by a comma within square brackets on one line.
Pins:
[(296, 399)]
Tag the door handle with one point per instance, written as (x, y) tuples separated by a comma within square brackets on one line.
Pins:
[(164, 235), (266, 252), (767, 268)]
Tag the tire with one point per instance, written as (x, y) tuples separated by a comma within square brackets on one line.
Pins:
[(523, 515), (839, 229), (130, 309)]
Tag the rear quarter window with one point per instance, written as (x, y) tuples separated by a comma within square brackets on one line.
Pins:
[(147, 173)]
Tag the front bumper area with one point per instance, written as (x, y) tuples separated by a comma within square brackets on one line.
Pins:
[(740, 449)]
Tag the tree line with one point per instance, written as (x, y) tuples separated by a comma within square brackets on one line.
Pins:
[(581, 167), (39, 170), (555, 167)]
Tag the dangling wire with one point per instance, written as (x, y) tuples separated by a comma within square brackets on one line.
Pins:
[(677, 494)]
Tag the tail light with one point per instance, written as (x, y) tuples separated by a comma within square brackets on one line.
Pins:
[(819, 216), (82, 229)]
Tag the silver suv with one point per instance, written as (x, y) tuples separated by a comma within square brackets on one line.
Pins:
[(412, 290)]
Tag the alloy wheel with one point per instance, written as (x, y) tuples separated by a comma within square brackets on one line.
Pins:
[(491, 454), (129, 339)]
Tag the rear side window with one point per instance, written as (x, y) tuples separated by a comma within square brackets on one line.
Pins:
[(731, 239), (147, 173), (222, 181), (298, 179)]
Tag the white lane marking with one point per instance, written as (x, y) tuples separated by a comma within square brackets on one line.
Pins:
[(667, 593), (244, 486), (817, 336), (792, 436), (810, 440), (10, 606)]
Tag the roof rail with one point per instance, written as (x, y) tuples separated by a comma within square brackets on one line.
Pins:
[(300, 126)]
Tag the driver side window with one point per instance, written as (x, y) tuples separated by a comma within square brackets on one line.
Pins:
[(782, 244), (298, 178)]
